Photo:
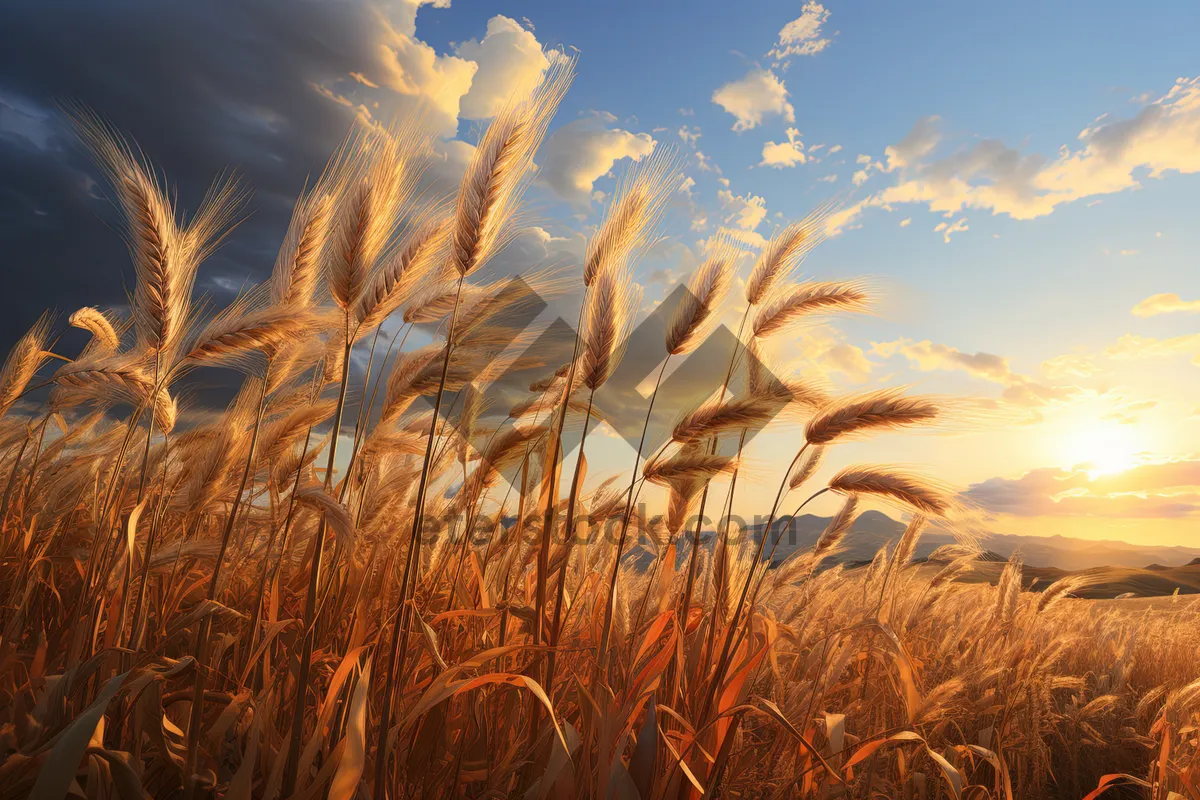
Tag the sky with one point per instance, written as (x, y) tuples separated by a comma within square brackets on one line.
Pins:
[(1018, 181)]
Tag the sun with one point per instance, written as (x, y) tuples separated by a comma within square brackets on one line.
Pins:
[(1103, 447)]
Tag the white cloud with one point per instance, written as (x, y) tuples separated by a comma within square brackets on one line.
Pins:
[(1133, 346), (472, 82), (689, 135), (746, 237), (823, 352), (917, 143), (802, 36), (404, 14), (928, 356), (412, 68), (1077, 365), (1164, 304), (580, 152), (759, 94), (509, 60), (1019, 390), (948, 229), (784, 154), (1114, 156), (745, 212)]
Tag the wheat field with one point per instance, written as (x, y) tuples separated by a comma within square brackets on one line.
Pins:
[(384, 587)]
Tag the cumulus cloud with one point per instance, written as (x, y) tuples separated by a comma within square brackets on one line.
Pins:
[(1157, 304), (784, 154), (580, 152), (928, 356), (409, 66), (1114, 155), (802, 36), (1168, 489), (508, 60), (757, 95), (745, 212), (1019, 390)]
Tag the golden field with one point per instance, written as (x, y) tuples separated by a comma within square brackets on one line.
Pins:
[(332, 590)]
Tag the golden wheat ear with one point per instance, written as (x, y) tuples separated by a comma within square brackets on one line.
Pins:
[(869, 412), (152, 233), (633, 214), (914, 491), (500, 169), (782, 256), (785, 307), (24, 360), (705, 292), (105, 338), (612, 304)]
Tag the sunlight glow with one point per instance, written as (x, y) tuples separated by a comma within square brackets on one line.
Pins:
[(1103, 447)]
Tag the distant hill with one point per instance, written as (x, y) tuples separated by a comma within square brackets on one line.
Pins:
[(1118, 567), (874, 529)]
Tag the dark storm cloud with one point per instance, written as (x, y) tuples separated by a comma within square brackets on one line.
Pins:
[(201, 87)]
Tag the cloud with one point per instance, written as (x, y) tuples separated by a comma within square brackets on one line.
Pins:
[(757, 95), (822, 353), (1133, 346), (1151, 491), (1113, 156), (509, 59), (1157, 304), (1070, 365), (784, 154), (802, 36), (928, 356), (1019, 390), (240, 76), (580, 152), (947, 229), (745, 212), (916, 144), (409, 66), (748, 238), (1129, 413)]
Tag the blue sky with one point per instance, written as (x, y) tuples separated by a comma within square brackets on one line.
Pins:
[(1016, 178)]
